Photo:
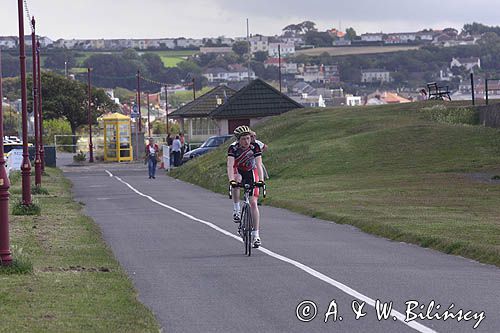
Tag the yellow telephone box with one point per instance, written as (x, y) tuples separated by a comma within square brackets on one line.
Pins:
[(117, 138)]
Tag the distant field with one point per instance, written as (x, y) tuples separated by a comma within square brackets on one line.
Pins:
[(171, 61), (341, 51), (169, 58)]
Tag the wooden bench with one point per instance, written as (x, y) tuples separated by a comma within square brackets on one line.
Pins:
[(436, 92)]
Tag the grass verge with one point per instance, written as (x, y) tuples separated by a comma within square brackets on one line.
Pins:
[(75, 284), (389, 170)]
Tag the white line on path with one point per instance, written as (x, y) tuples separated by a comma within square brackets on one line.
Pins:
[(413, 324)]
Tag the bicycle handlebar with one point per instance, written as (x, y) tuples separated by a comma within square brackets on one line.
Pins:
[(248, 187)]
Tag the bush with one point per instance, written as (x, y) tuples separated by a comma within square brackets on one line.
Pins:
[(21, 264), (457, 115), (20, 209), (39, 190), (53, 127), (80, 157)]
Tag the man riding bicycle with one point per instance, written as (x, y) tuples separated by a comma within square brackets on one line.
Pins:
[(244, 165)]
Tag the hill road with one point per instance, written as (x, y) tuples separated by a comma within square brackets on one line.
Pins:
[(179, 246)]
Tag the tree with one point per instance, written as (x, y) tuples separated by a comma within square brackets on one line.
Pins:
[(293, 29), (10, 65), (68, 99), (57, 60), (318, 39), (350, 34), (260, 56), (308, 26), (189, 67), (240, 48)]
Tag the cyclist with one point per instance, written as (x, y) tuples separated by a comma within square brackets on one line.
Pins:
[(263, 148), (244, 165)]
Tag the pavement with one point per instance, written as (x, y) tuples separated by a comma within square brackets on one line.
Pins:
[(178, 244)]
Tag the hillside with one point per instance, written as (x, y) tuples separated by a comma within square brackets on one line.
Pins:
[(355, 50), (385, 169)]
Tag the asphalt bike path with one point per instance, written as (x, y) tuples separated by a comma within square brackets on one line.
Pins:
[(178, 244)]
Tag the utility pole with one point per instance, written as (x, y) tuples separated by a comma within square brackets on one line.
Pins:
[(149, 122), (166, 107), (38, 169), (26, 165), (279, 63), (40, 117), (249, 52), (139, 98), (89, 118)]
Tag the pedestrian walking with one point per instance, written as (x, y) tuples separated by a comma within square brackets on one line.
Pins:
[(151, 157)]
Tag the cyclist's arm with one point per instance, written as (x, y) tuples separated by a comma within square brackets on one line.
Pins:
[(258, 161), (230, 166)]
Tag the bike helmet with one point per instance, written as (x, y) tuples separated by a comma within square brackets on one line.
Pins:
[(242, 130)]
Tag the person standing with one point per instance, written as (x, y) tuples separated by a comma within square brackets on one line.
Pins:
[(183, 144), (151, 157), (176, 150)]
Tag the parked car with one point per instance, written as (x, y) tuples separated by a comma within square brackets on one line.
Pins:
[(210, 144)]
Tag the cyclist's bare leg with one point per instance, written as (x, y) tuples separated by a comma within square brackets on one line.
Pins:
[(236, 191), (255, 212)]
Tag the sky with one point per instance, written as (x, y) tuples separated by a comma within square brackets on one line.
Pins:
[(93, 19)]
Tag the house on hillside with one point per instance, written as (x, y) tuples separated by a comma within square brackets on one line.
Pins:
[(386, 97), (286, 66), (259, 43), (319, 73), (467, 63), (286, 49), (375, 75), (8, 42), (234, 73), (370, 37)]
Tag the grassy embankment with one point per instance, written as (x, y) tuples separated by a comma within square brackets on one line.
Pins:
[(76, 284), (389, 170)]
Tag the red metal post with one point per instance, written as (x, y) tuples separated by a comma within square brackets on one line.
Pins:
[(40, 118), (38, 168), (5, 254), (139, 99), (26, 165), (91, 150)]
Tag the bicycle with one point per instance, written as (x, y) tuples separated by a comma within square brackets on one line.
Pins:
[(246, 221)]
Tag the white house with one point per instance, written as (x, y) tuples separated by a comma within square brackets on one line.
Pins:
[(468, 63), (168, 43), (321, 73), (286, 67), (8, 42), (377, 37), (375, 75), (351, 100), (286, 49), (259, 43), (235, 74)]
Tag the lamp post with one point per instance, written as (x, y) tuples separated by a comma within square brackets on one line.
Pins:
[(38, 169), (40, 118), (26, 165), (5, 254), (89, 115), (194, 90)]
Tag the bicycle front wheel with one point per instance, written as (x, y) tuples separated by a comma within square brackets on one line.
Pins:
[(246, 219)]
